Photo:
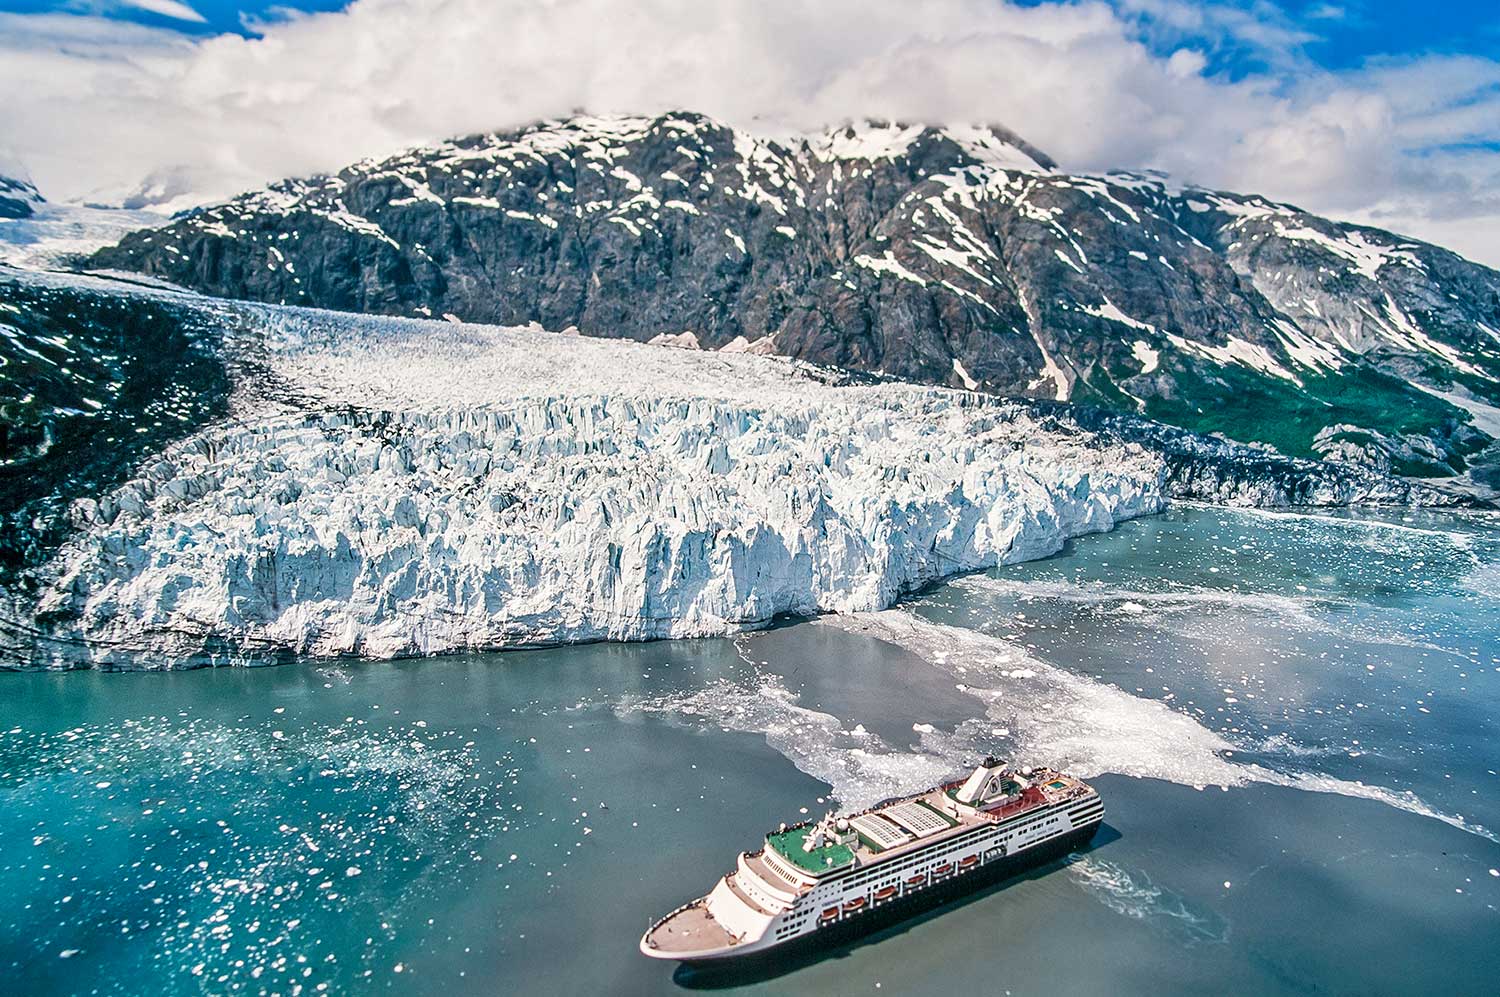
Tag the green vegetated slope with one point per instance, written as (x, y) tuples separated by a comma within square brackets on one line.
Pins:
[(1242, 405)]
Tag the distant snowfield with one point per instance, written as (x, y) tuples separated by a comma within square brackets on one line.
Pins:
[(57, 231), (417, 365), (445, 487)]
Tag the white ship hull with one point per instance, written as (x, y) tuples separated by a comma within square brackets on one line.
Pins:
[(770, 906)]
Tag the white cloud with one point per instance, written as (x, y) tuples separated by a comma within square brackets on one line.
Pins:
[(1186, 62), (1327, 12), (175, 10), (166, 8), (103, 106)]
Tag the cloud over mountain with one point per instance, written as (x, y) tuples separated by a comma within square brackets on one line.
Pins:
[(100, 108)]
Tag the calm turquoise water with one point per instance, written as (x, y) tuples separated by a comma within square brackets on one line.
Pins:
[(1292, 720)]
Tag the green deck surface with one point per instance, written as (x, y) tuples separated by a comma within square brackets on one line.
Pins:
[(788, 845)]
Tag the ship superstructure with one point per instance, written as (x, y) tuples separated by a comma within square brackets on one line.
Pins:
[(840, 876)]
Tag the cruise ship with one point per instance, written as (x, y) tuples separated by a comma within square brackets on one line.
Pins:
[(817, 883)]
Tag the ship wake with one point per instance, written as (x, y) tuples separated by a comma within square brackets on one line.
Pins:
[(1132, 893), (1027, 709)]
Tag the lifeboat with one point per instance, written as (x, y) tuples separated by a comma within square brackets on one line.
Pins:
[(943, 869), (853, 905), (968, 861), (885, 894), (917, 880), (829, 913)]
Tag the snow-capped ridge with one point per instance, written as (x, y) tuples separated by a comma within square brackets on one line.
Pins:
[(891, 247), (993, 146)]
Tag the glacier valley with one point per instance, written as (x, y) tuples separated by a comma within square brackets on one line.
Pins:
[(383, 487)]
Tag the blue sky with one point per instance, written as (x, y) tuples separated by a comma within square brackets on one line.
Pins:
[(1339, 34), (1343, 34), (1379, 111), (1376, 27), (214, 16)]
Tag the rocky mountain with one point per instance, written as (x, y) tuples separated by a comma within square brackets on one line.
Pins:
[(955, 256), (18, 198)]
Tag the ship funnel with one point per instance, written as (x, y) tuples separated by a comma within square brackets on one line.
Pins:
[(987, 782)]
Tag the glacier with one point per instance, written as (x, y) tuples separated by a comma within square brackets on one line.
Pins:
[(381, 491)]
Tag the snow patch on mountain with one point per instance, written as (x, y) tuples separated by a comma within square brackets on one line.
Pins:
[(18, 197), (473, 487)]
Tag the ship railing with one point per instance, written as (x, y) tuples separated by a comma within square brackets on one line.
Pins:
[(668, 916), (740, 892), (780, 890)]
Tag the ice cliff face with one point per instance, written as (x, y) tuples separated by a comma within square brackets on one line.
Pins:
[(519, 488), (957, 256), (189, 480)]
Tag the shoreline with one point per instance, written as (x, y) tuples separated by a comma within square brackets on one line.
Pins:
[(284, 655)]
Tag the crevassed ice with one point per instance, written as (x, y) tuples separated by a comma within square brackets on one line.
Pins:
[(473, 487)]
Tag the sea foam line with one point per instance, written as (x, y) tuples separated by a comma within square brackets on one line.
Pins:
[(1321, 613), (1132, 599), (1457, 538), (1056, 717)]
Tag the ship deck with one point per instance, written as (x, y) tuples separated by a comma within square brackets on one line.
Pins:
[(868, 854), (691, 929), (788, 845), (865, 852)]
